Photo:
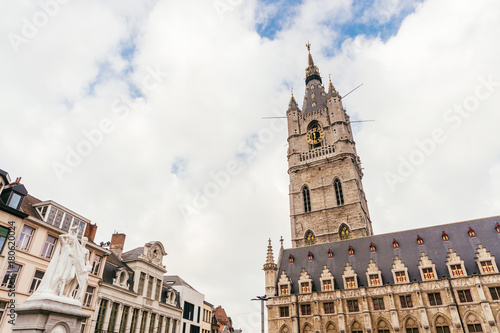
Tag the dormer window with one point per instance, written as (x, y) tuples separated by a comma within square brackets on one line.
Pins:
[(326, 279), (350, 277), (497, 227), (330, 253), (305, 287), (455, 264), (471, 232), (401, 277), (485, 261), (310, 256), (284, 284), (350, 282), (305, 282), (456, 270), (487, 266), (13, 194), (291, 258), (14, 200), (372, 247), (445, 237), (395, 243), (327, 285), (351, 250), (284, 290), (420, 241)]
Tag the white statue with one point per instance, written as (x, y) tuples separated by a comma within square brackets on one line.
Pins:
[(68, 270)]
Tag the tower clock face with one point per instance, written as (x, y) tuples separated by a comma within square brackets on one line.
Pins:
[(315, 135)]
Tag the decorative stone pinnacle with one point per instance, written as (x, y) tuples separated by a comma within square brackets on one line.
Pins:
[(270, 257)]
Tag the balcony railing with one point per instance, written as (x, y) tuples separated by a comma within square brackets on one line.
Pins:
[(317, 154)]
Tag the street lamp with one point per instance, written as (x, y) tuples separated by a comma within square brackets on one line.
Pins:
[(262, 299)]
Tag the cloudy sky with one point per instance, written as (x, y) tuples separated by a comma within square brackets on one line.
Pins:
[(146, 118)]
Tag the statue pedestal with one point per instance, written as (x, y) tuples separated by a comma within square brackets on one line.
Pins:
[(45, 315)]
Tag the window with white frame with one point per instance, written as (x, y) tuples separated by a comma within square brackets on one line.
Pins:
[(399, 271), (11, 275), (48, 246), (284, 284), (427, 268), (455, 264), (326, 279), (37, 278), (25, 237), (305, 282), (373, 274), (96, 265), (350, 277), (89, 295), (485, 261)]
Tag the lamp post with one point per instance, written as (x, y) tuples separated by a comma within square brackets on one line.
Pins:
[(262, 299)]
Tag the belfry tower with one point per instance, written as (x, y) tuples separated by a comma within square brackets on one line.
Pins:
[(327, 201)]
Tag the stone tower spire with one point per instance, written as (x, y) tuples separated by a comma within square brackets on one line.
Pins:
[(271, 271), (327, 200)]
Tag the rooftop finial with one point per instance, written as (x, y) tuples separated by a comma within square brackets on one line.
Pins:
[(331, 88), (312, 72), (281, 241), (270, 257), (308, 45)]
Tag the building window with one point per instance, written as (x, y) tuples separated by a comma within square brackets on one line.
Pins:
[(140, 287), (378, 303), (372, 247), (382, 327), (344, 232), (100, 315), (401, 277), (284, 289), (327, 285), (395, 243), (25, 238), (374, 280), (307, 199), (330, 253), (89, 295), (305, 288), (167, 325), (329, 307), (3, 307), (112, 318), (188, 311), (474, 328), (284, 311), (10, 277), (350, 282), (174, 325), (420, 241), (464, 296), (442, 326), (158, 290), (406, 301), (310, 240), (495, 293), (456, 270), (411, 326), (350, 250), (291, 259), (152, 323), (435, 299), (37, 278), (305, 309), (144, 319), (338, 192), (133, 323), (428, 273), (48, 247), (151, 281), (4, 233), (96, 265), (160, 323), (352, 305), (445, 237), (487, 266), (471, 232)]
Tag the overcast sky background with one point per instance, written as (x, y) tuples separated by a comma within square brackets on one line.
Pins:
[(180, 87)]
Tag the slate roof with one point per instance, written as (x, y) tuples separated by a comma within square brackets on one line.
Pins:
[(177, 281), (409, 252), (112, 266), (133, 254), (27, 205)]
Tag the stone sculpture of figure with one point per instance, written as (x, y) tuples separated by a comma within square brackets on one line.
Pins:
[(68, 269)]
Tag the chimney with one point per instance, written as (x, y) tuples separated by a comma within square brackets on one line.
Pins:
[(116, 246), (90, 231)]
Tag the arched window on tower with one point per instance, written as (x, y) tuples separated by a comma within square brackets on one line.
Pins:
[(344, 232), (307, 199), (338, 192), (310, 238)]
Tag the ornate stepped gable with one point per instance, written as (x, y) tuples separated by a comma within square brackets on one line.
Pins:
[(435, 253)]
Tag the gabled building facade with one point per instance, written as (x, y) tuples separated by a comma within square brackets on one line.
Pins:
[(29, 233), (340, 278), (133, 296)]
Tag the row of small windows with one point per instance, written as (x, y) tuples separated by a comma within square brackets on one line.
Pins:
[(157, 323), (411, 325), (405, 301), (484, 260), (306, 195)]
